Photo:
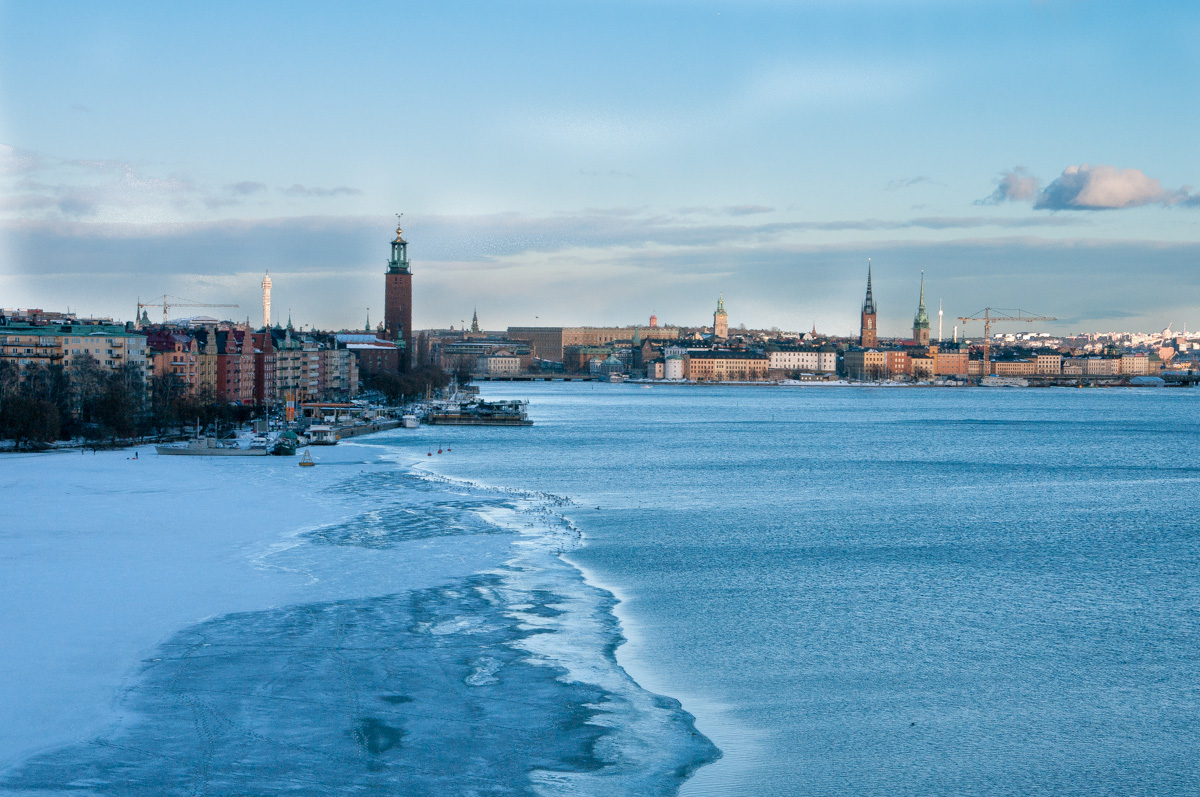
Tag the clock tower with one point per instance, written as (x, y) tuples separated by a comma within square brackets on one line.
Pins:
[(868, 335), (397, 300)]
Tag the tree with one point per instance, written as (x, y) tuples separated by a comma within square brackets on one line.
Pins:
[(31, 421)]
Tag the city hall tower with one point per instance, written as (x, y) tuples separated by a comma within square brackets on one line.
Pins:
[(397, 299)]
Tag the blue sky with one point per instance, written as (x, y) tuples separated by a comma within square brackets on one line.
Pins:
[(593, 162)]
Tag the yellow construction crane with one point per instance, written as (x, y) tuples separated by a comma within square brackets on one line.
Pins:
[(166, 304), (987, 315)]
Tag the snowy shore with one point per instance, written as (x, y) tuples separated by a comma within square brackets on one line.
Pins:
[(246, 626)]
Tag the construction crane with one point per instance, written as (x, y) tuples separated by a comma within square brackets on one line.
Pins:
[(166, 304), (987, 315)]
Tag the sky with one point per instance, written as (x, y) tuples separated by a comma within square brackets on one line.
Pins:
[(595, 161)]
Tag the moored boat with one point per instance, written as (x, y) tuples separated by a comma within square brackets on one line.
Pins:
[(480, 413)]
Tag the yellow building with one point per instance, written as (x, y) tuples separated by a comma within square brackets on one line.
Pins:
[(726, 366)]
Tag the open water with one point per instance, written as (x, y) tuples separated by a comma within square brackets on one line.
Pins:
[(889, 591)]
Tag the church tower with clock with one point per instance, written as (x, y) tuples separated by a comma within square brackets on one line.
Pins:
[(868, 335)]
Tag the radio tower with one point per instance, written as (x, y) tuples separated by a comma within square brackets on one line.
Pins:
[(266, 286), (939, 320)]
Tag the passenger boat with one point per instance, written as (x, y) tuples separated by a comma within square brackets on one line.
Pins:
[(480, 413)]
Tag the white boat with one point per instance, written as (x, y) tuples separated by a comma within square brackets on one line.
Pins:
[(616, 378), (320, 435), (1004, 381), (409, 421)]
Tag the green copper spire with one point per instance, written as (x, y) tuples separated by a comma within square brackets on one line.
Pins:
[(721, 304), (637, 337), (398, 264), (921, 321)]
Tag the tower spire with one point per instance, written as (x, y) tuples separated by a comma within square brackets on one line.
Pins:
[(869, 302), (921, 320)]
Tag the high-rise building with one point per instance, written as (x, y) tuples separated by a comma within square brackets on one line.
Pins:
[(266, 288), (868, 334), (921, 320), (720, 319), (397, 299)]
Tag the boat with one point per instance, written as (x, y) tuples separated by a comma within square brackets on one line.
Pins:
[(480, 413), (1003, 381), (286, 445), (322, 436), (211, 447), (614, 377), (307, 461), (409, 421)]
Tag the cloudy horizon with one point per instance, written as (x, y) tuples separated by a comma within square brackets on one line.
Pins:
[(646, 156)]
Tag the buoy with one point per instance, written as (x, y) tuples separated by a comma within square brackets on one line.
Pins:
[(439, 450), (430, 454)]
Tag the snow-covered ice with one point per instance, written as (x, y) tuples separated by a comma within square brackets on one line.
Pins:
[(184, 624)]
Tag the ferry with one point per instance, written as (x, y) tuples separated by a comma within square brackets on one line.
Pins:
[(1003, 381), (480, 413)]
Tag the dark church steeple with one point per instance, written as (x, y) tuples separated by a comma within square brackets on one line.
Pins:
[(868, 335)]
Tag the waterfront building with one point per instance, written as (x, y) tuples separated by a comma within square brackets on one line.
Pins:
[(720, 320), (498, 364), (812, 359), (174, 353), (869, 364), (922, 365), (950, 360), (1049, 364), (372, 354), (112, 346), (264, 367), (921, 320), (339, 372), (549, 343), (724, 366), (1015, 367), (397, 301), (673, 367), (868, 334), (1135, 364)]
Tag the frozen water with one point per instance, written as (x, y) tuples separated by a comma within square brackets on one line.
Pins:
[(184, 625)]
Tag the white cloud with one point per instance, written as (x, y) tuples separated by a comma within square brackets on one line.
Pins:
[(1103, 187), (1015, 185)]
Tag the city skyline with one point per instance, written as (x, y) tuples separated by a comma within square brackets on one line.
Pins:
[(650, 157)]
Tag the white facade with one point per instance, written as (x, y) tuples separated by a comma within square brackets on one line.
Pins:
[(803, 360), (500, 364), (673, 367)]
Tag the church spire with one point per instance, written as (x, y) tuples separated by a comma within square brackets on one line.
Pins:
[(869, 302), (475, 321), (921, 320), (868, 333)]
